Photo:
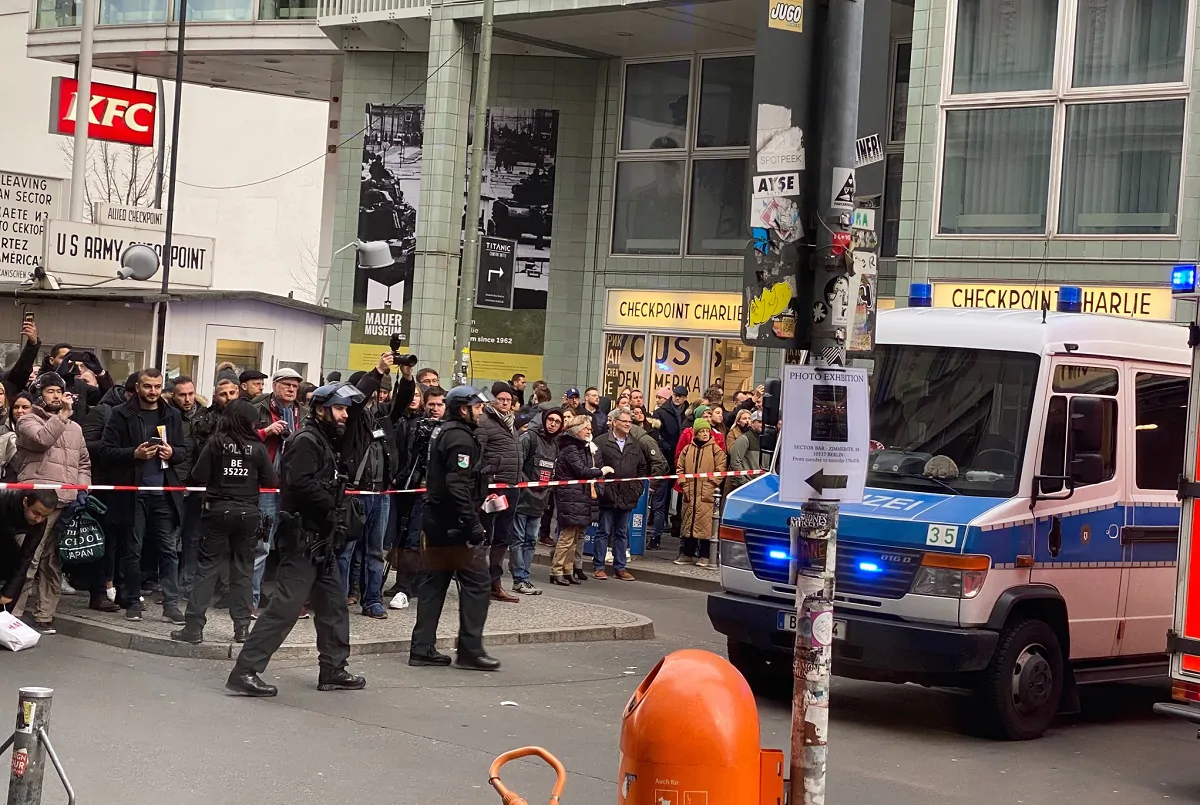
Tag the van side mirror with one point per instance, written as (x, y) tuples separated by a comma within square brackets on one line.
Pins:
[(1087, 468)]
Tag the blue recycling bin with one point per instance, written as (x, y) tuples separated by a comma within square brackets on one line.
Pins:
[(637, 526)]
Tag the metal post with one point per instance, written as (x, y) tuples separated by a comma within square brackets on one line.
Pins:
[(162, 146), (464, 313), (160, 345), (837, 124), (28, 753), (83, 108)]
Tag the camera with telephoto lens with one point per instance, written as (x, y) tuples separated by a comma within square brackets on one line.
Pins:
[(401, 360)]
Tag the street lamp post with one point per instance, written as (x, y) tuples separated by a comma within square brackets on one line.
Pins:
[(83, 109), (160, 346)]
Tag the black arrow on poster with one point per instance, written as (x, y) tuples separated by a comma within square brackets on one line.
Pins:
[(820, 481), (497, 271)]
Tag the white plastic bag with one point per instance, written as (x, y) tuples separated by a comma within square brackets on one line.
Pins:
[(14, 634)]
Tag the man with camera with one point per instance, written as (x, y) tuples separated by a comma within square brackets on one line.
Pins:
[(279, 415), (454, 537), (316, 520)]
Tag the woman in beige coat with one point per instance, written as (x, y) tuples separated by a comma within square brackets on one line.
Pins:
[(51, 450), (699, 494)]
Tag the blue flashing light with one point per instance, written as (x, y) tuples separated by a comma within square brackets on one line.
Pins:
[(1183, 280), (780, 555), (1070, 299), (663, 366), (920, 294), (868, 567)]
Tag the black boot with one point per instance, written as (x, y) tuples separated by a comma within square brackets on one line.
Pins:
[(481, 662), (434, 657), (240, 632), (560, 580), (579, 575), (186, 635), (248, 683), (341, 679)]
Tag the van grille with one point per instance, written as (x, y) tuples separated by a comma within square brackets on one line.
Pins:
[(892, 579)]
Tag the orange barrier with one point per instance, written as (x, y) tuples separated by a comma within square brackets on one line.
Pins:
[(511, 797)]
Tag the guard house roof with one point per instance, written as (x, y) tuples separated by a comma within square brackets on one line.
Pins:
[(1023, 331), (150, 296)]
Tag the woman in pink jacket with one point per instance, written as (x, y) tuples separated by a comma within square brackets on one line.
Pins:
[(50, 450)]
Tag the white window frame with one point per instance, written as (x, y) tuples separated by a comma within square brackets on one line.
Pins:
[(687, 156), (1060, 95)]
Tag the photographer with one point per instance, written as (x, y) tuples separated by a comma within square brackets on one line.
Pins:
[(279, 414)]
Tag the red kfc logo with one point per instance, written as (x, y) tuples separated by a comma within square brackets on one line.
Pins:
[(117, 114)]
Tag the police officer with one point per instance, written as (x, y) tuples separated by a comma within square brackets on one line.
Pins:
[(315, 521), (454, 537), (233, 465)]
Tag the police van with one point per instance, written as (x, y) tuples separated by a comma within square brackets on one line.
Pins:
[(1043, 561)]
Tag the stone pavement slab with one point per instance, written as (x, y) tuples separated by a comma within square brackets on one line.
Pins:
[(536, 619)]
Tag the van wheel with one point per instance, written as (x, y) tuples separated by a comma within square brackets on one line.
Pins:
[(768, 673), (1022, 684)]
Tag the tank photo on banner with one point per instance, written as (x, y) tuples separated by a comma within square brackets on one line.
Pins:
[(517, 205)]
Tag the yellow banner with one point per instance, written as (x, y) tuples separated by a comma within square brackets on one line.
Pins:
[(1130, 301), (677, 311), (885, 303), (503, 365)]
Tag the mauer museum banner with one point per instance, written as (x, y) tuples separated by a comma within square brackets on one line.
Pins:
[(518, 205)]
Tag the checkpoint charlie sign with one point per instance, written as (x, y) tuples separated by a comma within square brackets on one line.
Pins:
[(1135, 302)]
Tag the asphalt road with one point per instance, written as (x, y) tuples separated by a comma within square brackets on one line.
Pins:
[(131, 725)]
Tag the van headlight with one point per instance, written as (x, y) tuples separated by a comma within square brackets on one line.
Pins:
[(951, 575), (735, 555)]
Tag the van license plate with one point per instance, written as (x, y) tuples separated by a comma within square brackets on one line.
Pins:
[(787, 623)]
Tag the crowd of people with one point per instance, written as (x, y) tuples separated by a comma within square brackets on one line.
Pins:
[(66, 421)]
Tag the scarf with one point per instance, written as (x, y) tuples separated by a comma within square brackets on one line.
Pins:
[(508, 419)]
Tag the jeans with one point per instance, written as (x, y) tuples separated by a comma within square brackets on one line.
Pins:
[(614, 525), (268, 506), (500, 528), (520, 553), (659, 504), (371, 580), (189, 533), (154, 522)]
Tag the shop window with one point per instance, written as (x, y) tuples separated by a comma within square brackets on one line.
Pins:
[(242, 354), (120, 363), (1161, 429), (301, 367), (1074, 151), (182, 365), (678, 361), (676, 166), (624, 362), (732, 368)]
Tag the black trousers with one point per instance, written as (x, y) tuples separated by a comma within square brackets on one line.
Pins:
[(298, 580), (228, 532), (440, 567)]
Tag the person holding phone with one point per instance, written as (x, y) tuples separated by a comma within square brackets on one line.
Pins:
[(21, 372), (133, 447)]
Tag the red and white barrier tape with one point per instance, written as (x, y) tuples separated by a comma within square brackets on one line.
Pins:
[(522, 485)]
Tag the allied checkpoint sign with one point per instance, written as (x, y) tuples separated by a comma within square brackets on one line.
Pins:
[(824, 443)]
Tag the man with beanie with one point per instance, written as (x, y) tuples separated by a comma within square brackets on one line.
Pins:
[(621, 451), (53, 452), (539, 449), (501, 465)]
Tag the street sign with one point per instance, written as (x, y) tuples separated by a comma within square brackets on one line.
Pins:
[(27, 202), (123, 215), (497, 269), (824, 446), (80, 252)]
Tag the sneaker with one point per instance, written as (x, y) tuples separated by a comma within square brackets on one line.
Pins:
[(42, 627), (305, 613), (134, 612), (375, 611), (526, 588), (67, 589), (703, 562), (685, 560), (173, 615), (399, 601)]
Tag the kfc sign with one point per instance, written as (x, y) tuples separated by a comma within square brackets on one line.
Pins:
[(118, 114)]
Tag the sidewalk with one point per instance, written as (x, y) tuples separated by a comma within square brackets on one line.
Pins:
[(537, 619), (655, 567)]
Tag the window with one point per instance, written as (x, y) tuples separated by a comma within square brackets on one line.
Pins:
[(56, 14), (182, 365), (1073, 379), (121, 363), (1080, 441), (1161, 429), (893, 169), (893, 184), (901, 68), (681, 173), (127, 12), (1092, 149), (300, 367)]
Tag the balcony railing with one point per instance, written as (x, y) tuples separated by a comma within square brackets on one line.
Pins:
[(346, 8)]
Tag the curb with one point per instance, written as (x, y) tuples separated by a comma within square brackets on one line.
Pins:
[(122, 637), (658, 577)]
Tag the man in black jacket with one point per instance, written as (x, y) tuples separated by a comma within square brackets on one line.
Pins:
[(670, 414), (405, 549), (454, 537), (312, 508), (143, 445), (621, 451), (21, 513), (497, 437)]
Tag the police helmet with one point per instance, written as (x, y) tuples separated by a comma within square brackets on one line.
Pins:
[(332, 394), (465, 395)]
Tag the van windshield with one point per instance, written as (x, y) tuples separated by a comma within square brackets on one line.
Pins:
[(945, 419)]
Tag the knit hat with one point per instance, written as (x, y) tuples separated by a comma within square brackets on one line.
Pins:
[(575, 425), (701, 424), (663, 392), (700, 410), (47, 379)]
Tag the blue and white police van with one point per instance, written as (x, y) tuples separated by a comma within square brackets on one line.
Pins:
[(1046, 563)]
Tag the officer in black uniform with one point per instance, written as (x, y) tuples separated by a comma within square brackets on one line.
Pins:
[(316, 519), (454, 537), (233, 465)]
